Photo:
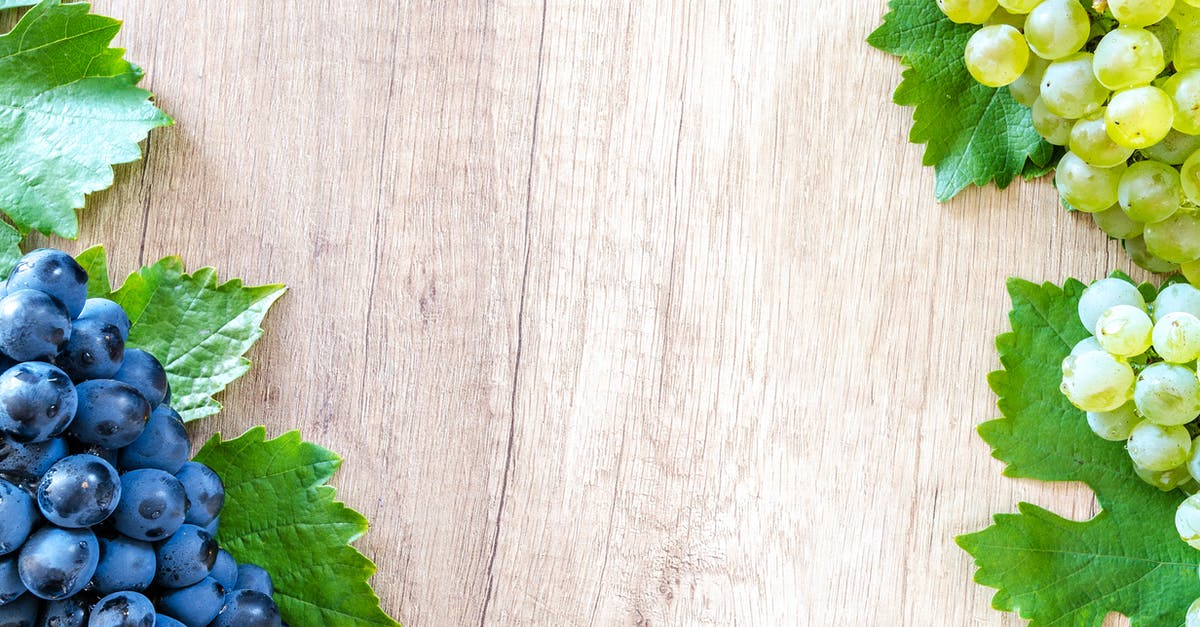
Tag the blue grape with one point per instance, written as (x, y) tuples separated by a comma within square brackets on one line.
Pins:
[(125, 564), (79, 491), (144, 372), (70, 612), (162, 620), (254, 577), (122, 609), (195, 605), (95, 350), (57, 563), (205, 492), (37, 401), (33, 326), (106, 310), (17, 517), (248, 608), (20, 613), (152, 505), (111, 414), (185, 558), (30, 459), (10, 581), (83, 448), (163, 444), (225, 570), (53, 272), (212, 527)]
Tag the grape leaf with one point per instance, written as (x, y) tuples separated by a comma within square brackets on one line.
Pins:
[(1128, 558), (973, 134), (198, 328), (281, 515), (69, 109)]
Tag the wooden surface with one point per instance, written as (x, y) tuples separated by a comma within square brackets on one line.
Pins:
[(621, 313)]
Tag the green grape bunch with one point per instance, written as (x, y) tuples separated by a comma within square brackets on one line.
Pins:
[(1116, 84)]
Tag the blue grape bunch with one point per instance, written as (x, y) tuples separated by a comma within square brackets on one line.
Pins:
[(103, 520)]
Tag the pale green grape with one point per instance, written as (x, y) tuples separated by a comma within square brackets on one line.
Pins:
[(1189, 177), (1192, 618), (1114, 425), (1149, 191), (1187, 522), (1089, 343), (1157, 447), (1177, 337), (1104, 293), (1193, 462), (1090, 142), (1165, 480), (1184, 89), (1057, 28), (1096, 381), (1174, 149), (1167, 33), (1185, 15), (1019, 6), (1052, 128), (1001, 16), (1116, 224), (1128, 57), (1085, 187), (1139, 117), (967, 11), (1028, 85), (996, 55), (1187, 49), (1140, 12), (1176, 239), (1135, 247), (1124, 331), (1175, 298), (1191, 271), (1070, 88), (1167, 394)]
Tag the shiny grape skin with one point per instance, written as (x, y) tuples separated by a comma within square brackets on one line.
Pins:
[(95, 350), (195, 605), (152, 505), (21, 612), (108, 311), (254, 577), (79, 491), (37, 401), (57, 563), (144, 372), (185, 558), (125, 564), (225, 570), (54, 272), (162, 620), (70, 612), (33, 459), (111, 414), (163, 443), (205, 492), (33, 326), (18, 515), (122, 609), (11, 586), (248, 608)]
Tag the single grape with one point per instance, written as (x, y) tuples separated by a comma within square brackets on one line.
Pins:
[(1140, 116), (967, 11), (1167, 394), (79, 491), (70, 612), (144, 372), (111, 414), (1187, 50), (1124, 331), (1174, 149), (1150, 191), (1135, 247), (185, 558), (1090, 142), (1192, 618), (1019, 6), (1028, 85), (996, 55), (1085, 187), (1176, 297), (1057, 28), (123, 609), (1184, 89), (1128, 57), (57, 563), (1177, 337), (1105, 293), (53, 272), (94, 351), (1087, 344), (205, 492), (21, 612), (125, 564), (1116, 224), (1096, 381), (1191, 271), (248, 608), (1140, 12), (1167, 33), (31, 459), (212, 527), (153, 504), (1176, 239), (1189, 177), (1052, 128), (10, 582), (109, 312), (225, 570), (18, 514), (197, 604), (1187, 521), (1002, 17), (33, 326), (162, 620), (1158, 448), (163, 444), (1165, 480), (1070, 88), (254, 577), (37, 401), (1114, 425)]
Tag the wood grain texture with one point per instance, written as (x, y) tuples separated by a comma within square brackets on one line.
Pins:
[(621, 313)]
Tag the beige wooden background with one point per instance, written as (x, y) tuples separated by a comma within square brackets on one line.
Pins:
[(621, 312)]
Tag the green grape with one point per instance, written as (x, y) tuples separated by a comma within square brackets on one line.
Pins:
[(1128, 57), (1185, 15), (1149, 191), (1116, 224), (1028, 85), (1135, 247), (1189, 177), (1176, 298), (1193, 462), (1090, 142), (996, 55), (1167, 33), (1114, 425), (1103, 294), (1140, 12), (1177, 337), (1124, 331), (1191, 271), (1176, 239), (1192, 618), (1184, 89), (1165, 480), (1001, 16), (1187, 522), (1096, 381), (1070, 88), (1139, 117), (1167, 394), (1085, 187), (1057, 28), (1174, 149), (967, 11), (1157, 447), (1052, 128), (1187, 49), (1019, 6)]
